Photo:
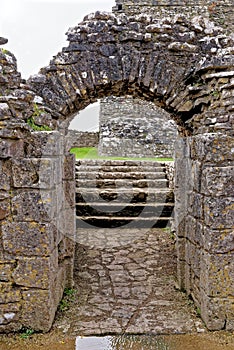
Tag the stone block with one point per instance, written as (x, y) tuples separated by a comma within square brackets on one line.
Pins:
[(195, 261), (229, 306), (33, 173), (213, 312), (28, 238), (66, 249), (219, 212), (38, 309), (5, 178), (194, 230), (44, 144), (39, 306), (39, 206), (60, 198), (218, 241), (195, 205), (58, 170), (6, 270), (180, 247), (69, 167), (217, 181), (69, 188), (11, 148), (9, 293), (36, 272), (5, 112), (69, 224), (190, 228), (217, 278), (213, 148), (196, 176)]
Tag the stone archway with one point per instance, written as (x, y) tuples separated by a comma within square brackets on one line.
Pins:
[(185, 67)]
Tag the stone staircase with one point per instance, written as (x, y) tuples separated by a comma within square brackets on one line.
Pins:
[(121, 193)]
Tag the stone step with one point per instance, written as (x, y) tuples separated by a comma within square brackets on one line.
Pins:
[(134, 195), (123, 209), (111, 162), (118, 184), (119, 168), (138, 222), (116, 175)]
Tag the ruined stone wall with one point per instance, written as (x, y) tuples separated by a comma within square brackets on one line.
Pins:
[(189, 75), (76, 138), (219, 11), (134, 128)]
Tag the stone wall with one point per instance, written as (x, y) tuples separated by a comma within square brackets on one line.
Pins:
[(37, 193), (76, 138), (219, 11), (135, 128), (204, 221)]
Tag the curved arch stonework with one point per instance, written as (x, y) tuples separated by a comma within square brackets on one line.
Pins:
[(159, 60), (183, 66)]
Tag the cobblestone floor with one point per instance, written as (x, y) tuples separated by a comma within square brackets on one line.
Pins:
[(126, 284)]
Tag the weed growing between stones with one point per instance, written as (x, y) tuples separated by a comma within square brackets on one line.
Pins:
[(68, 297), (26, 333), (36, 127)]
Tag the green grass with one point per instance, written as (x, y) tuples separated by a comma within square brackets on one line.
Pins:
[(92, 153)]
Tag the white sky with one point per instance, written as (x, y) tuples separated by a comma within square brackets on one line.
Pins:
[(36, 31)]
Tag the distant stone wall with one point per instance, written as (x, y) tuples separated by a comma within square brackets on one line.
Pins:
[(135, 128), (219, 11), (76, 138)]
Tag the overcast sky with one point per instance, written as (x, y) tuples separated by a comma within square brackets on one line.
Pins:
[(36, 31)]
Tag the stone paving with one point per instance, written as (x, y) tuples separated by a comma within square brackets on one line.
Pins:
[(128, 286)]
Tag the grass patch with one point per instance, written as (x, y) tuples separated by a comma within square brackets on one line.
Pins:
[(92, 153)]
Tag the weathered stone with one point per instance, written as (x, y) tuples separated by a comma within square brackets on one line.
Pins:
[(9, 313), (209, 146), (9, 293), (218, 241), (6, 270), (218, 181), (69, 167), (217, 274), (28, 239), (5, 112), (5, 169), (11, 149), (36, 272), (39, 206), (44, 144), (38, 309), (213, 311), (34, 173), (219, 212)]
